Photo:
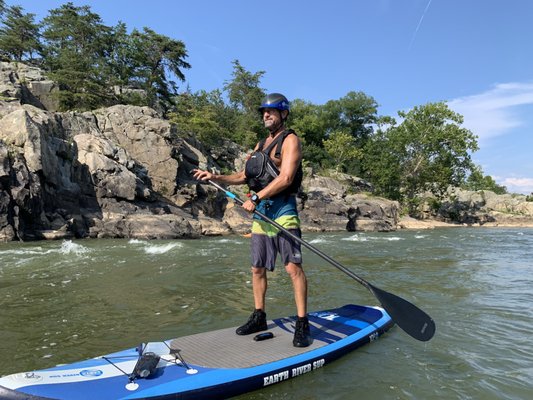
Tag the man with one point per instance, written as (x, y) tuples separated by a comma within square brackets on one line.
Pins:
[(274, 173)]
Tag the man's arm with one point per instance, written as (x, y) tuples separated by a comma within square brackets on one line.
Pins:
[(238, 178)]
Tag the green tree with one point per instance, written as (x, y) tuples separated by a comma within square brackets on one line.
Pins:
[(203, 115), (157, 61), (382, 165), (306, 119), (354, 114), (479, 181), (19, 37), (77, 45), (341, 148), (427, 151), (245, 96), (243, 90), (120, 66)]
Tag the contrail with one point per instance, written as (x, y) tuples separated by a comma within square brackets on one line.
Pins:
[(418, 26)]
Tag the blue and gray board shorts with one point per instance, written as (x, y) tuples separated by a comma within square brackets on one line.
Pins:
[(268, 241)]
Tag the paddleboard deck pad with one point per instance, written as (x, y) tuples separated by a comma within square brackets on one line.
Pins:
[(218, 364)]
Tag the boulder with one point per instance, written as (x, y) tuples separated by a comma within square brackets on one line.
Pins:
[(479, 208), (147, 139), (25, 84), (327, 206)]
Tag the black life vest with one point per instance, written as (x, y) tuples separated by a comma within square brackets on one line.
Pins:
[(260, 170)]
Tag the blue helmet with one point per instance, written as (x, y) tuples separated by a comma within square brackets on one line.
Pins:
[(275, 100)]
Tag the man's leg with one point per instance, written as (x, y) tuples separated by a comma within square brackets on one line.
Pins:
[(299, 283), (257, 321), (302, 331), (259, 286)]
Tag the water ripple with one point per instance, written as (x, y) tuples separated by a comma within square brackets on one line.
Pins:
[(79, 299)]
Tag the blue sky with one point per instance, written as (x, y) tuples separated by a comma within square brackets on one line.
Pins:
[(475, 54)]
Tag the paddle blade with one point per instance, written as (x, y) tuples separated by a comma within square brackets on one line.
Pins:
[(407, 316)]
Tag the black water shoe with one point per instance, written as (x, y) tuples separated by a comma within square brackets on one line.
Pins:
[(302, 333), (257, 322)]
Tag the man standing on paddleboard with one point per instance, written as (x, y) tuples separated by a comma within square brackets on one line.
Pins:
[(274, 174)]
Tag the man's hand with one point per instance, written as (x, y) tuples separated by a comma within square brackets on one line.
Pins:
[(249, 206), (202, 175)]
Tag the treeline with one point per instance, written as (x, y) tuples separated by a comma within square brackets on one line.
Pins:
[(96, 65)]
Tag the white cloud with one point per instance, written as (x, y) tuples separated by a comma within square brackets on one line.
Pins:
[(494, 112), (518, 185)]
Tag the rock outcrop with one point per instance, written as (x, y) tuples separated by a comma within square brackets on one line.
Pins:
[(340, 203), (492, 209), (123, 172), (107, 173), (61, 176), (475, 208)]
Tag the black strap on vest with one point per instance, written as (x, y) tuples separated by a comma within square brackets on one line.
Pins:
[(296, 183), (279, 141)]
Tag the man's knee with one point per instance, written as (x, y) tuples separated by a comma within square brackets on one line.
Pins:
[(258, 271), (294, 270)]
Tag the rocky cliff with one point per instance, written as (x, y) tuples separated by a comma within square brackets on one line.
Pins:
[(123, 171)]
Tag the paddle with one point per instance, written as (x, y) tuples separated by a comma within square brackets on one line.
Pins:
[(406, 315)]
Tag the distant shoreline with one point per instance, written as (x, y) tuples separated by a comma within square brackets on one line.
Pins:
[(409, 223)]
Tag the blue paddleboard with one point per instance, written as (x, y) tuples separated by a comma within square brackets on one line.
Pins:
[(217, 364)]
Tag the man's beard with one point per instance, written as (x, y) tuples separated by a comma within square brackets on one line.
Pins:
[(274, 127)]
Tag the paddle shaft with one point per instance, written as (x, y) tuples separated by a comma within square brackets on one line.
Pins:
[(407, 316)]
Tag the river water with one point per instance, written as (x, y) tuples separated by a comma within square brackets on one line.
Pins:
[(67, 301)]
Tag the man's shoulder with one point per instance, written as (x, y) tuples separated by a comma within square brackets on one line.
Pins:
[(292, 144), (291, 137)]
